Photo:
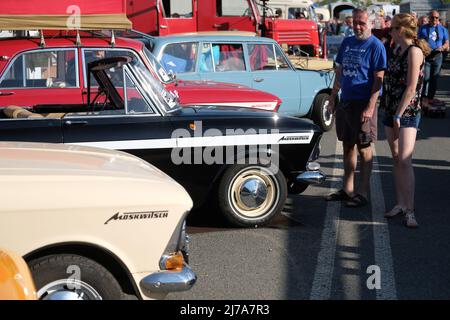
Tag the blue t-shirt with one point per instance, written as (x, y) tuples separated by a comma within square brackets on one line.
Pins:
[(359, 60), (434, 35)]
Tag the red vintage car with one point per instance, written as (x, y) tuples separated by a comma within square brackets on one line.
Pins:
[(31, 74)]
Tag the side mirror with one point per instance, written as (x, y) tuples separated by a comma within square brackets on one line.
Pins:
[(171, 74)]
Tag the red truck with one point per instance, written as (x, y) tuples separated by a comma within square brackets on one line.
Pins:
[(163, 17)]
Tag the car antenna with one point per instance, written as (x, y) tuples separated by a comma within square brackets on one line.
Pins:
[(78, 41), (42, 42), (113, 39)]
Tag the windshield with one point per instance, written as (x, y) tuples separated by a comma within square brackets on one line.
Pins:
[(158, 68), (153, 89)]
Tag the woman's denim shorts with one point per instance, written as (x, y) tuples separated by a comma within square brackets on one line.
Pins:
[(405, 122)]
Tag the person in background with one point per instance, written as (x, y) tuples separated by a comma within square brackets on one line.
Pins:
[(348, 27), (359, 76), (437, 37), (387, 22), (300, 15), (415, 17), (423, 20), (332, 26), (278, 13), (404, 81)]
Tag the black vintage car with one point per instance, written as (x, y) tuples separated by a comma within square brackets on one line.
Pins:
[(245, 161)]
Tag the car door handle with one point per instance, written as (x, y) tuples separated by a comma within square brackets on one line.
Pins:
[(163, 26), (218, 25), (75, 123), (6, 93), (258, 79)]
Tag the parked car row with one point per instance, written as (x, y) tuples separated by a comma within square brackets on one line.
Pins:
[(33, 75), (255, 62), (111, 221)]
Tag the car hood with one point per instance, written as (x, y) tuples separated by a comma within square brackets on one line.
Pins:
[(43, 159), (240, 116), (219, 93)]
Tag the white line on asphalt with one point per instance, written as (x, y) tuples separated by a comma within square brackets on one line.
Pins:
[(321, 288), (382, 247), (348, 240)]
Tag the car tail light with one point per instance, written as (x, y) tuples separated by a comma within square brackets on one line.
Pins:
[(278, 105)]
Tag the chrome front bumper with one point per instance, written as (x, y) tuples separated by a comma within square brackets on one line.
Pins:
[(312, 176), (169, 281)]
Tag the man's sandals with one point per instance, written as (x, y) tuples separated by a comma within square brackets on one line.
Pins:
[(352, 202), (340, 195), (357, 201)]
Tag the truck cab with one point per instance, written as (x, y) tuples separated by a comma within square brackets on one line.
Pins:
[(164, 17)]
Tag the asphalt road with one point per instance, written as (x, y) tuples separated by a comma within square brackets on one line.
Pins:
[(320, 250)]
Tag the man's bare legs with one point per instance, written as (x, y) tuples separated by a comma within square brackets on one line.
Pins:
[(350, 163), (366, 157)]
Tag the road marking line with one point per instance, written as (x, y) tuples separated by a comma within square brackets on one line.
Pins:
[(321, 288), (382, 247), (348, 240)]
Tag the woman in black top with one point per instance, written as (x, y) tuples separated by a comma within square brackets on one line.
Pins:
[(404, 83)]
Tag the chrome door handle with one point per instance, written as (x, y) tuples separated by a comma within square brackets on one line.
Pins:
[(258, 79), (75, 123), (163, 27)]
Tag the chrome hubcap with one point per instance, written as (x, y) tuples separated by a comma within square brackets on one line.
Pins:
[(253, 192), (328, 117), (68, 290)]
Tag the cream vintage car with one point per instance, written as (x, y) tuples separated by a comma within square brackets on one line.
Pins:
[(93, 223)]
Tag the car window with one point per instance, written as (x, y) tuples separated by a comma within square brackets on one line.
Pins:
[(116, 75), (225, 57), (230, 8), (177, 8), (157, 67), (135, 102), (298, 13), (282, 63), (180, 57), (43, 69), (207, 60), (261, 57)]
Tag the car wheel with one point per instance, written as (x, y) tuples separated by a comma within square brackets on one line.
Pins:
[(73, 277), (251, 195), (320, 114)]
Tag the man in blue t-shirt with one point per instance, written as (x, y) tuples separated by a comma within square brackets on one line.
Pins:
[(437, 37), (361, 62)]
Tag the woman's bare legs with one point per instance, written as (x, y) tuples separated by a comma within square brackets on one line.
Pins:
[(394, 146), (407, 140)]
